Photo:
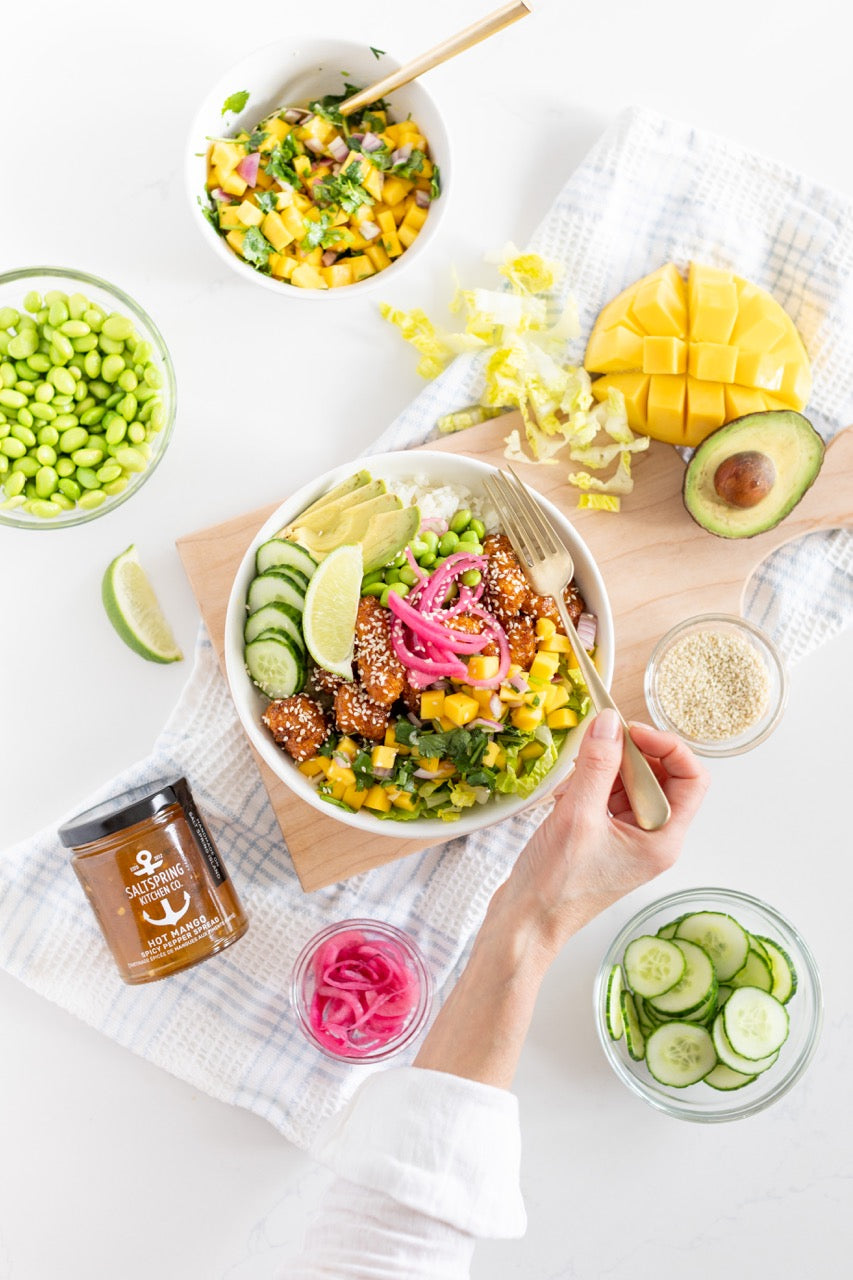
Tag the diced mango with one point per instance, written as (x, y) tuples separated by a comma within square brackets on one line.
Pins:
[(556, 696), (355, 798), (235, 239), (232, 183), (432, 704), (666, 407), (377, 798), (532, 751), (713, 312), (338, 790), (492, 754), (394, 189), (527, 718), (755, 369), (404, 800), (229, 217), (705, 405), (564, 718), (658, 303), (611, 349), (378, 257), (361, 267), (225, 156), (664, 355), (430, 763), (308, 277), (460, 709), (545, 628), (544, 666), (338, 275), (275, 231), (712, 362), (249, 214), (314, 767), (483, 666), (340, 773), (276, 128), (447, 724), (557, 643), (294, 221), (743, 400), (382, 757), (282, 265), (373, 182)]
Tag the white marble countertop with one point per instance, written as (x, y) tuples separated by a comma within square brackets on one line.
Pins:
[(110, 1168)]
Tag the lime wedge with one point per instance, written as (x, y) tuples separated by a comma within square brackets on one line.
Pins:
[(134, 610), (331, 603)]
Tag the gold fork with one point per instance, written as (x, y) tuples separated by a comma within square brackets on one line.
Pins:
[(549, 568)]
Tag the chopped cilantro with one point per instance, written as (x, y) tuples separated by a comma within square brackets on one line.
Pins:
[(344, 190), (363, 770), (277, 165), (320, 233), (464, 747), (435, 183), (255, 139), (411, 167), (236, 102), (377, 53), (257, 249), (371, 121), (329, 745), (210, 212), (265, 200)]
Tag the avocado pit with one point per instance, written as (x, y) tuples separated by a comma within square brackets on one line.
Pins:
[(745, 478)]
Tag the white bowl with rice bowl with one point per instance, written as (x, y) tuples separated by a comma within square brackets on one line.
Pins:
[(442, 482)]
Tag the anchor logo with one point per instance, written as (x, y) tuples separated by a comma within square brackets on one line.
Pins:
[(169, 915), (146, 863)]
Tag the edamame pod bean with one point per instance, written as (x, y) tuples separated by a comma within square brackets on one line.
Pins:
[(84, 405), (392, 574), (73, 328), (12, 399), (108, 472), (118, 327), (14, 484), (116, 486), (460, 520), (375, 575), (28, 465), (142, 352), (25, 419), (127, 380), (46, 481), (45, 508), (87, 457), (111, 367), (400, 588), (377, 589), (63, 381), (62, 346), (109, 346), (84, 345), (46, 455), (48, 435), (11, 504), (112, 400), (65, 468), (61, 501), (468, 535), (98, 389), (408, 576), (131, 458), (54, 295), (69, 487), (45, 392), (25, 387), (92, 364), (24, 344), (152, 376), (127, 407), (57, 314), (77, 306), (12, 447), (448, 542), (32, 301), (94, 498), (43, 412), (94, 318), (86, 478), (136, 433), (427, 561), (8, 317), (63, 421), (92, 416), (72, 439), (8, 376), (39, 361), (470, 578), (115, 430)]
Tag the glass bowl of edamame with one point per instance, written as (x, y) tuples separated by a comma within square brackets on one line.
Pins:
[(87, 397)]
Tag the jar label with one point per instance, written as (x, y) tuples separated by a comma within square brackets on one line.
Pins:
[(201, 835)]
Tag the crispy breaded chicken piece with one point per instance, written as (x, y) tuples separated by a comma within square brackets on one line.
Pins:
[(506, 586), (521, 634), (298, 724), (546, 606), (379, 670), (356, 712), (325, 681), (473, 625)]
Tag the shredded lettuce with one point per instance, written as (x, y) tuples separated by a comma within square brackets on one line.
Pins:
[(514, 779), (599, 502), (525, 369)]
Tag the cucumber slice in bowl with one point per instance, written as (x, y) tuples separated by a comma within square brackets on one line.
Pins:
[(755, 973), (696, 987), (275, 617), (727, 1055), (653, 965), (279, 553), (275, 665), (635, 1041), (725, 941), (725, 1079), (782, 970), (615, 1025), (680, 1054), (276, 585), (756, 1024)]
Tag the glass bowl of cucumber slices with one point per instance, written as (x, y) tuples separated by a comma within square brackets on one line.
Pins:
[(708, 1005)]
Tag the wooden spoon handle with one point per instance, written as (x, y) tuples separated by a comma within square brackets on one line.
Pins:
[(477, 31)]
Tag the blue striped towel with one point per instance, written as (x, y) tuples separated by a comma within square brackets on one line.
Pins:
[(649, 191)]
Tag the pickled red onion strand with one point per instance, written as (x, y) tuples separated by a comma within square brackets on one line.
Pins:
[(428, 629), (363, 997), (414, 566)]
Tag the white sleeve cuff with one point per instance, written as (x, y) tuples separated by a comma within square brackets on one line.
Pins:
[(442, 1145)]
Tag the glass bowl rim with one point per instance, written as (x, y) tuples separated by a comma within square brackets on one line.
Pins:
[(70, 519), (425, 998), (798, 1065), (761, 641)]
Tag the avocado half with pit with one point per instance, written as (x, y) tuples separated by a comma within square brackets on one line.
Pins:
[(751, 473)]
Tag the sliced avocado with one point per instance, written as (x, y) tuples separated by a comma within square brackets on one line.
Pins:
[(346, 489), (323, 516), (349, 526), (387, 535), (748, 475)]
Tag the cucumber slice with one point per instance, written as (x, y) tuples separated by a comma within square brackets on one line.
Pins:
[(705, 1013), (755, 973), (276, 617), (634, 1038), (756, 1024), (725, 1079), (615, 1025), (781, 969), (720, 936), (648, 1022), (278, 553), (756, 944), (727, 1055), (668, 930), (275, 585), (696, 987), (680, 1054), (653, 965), (723, 993), (275, 665)]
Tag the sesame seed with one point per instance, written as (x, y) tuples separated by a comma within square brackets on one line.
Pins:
[(712, 685)]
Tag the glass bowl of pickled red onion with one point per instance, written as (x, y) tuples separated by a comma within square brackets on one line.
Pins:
[(361, 990)]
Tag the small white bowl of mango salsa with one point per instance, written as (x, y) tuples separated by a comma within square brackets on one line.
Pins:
[(290, 74)]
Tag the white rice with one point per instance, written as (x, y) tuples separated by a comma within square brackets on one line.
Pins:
[(441, 502)]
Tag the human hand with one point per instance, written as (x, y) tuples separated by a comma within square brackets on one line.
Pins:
[(589, 851)]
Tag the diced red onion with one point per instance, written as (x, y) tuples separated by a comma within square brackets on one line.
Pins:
[(415, 720), (371, 142), (401, 155), (338, 148), (434, 524), (247, 169), (382, 771), (422, 199), (294, 114), (587, 628), (495, 706), (483, 722), (315, 145), (519, 682), (368, 229), (357, 137), (329, 257), (220, 196), (430, 775)]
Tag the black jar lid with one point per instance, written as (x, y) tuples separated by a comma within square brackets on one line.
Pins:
[(122, 811)]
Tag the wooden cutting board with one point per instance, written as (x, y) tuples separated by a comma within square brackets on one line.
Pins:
[(659, 567)]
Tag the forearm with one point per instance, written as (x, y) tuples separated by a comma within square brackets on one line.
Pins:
[(480, 1031)]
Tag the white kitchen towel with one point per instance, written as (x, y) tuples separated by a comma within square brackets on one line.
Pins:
[(649, 191)]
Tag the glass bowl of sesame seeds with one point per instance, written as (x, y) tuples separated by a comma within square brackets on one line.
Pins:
[(718, 682)]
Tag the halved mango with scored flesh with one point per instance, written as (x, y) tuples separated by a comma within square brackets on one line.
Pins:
[(691, 355)]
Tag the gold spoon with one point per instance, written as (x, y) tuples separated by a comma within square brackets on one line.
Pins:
[(471, 35)]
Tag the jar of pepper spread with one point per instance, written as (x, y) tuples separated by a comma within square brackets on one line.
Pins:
[(154, 880)]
